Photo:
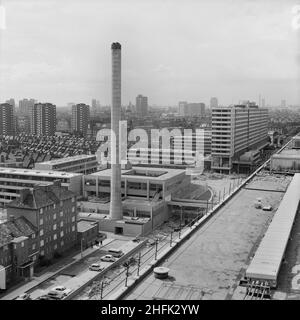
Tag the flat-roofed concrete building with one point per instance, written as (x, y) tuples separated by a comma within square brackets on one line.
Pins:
[(142, 182), (145, 195), (80, 118), (13, 180), (236, 130), (7, 119), (85, 164), (43, 119)]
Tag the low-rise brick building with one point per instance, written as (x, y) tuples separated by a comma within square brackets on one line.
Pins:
[(52, 210), (18, 249)]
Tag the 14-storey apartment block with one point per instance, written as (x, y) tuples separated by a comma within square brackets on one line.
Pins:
[(7, 119), (235, 131), (43, 119)]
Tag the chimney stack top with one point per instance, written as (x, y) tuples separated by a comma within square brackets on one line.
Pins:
[(116, 45)]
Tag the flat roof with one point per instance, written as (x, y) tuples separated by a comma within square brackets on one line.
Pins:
[(68, 159), (38, 173), (214, 256), (85, 225), (267, 260), (288, 153), (167, 173)]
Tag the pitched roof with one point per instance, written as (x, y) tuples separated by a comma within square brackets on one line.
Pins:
[(19, 227), (42, 196)]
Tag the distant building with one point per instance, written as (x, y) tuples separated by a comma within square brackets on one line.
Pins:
[(23, 123), (235, 131), (7, 123), (213, 102), (191, 109), (182, 108), (19, 248), (63, 125), (25, 106), (283, 104), (12, 102), (43, 119), (80, 118), (141, 105), (85, 164), (53, 211)]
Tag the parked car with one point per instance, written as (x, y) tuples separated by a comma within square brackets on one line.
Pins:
[(24, 296), (95, 267), (108, 258)]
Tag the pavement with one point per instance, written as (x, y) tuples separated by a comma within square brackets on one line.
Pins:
[(36, 281)]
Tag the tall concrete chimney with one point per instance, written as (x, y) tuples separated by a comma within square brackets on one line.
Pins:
[(116, 211)]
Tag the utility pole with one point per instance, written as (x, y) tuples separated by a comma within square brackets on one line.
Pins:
[(139, 264), (156, 245), (127, 273)]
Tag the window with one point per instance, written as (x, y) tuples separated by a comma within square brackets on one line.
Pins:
[(61, 223), (54, 216), (33, 246), (42, 243), (61, 203), (61, 213), (73, 209), (22, 244), (33, 236), (55, 246), (73, 219), (73, 199), (54, 226), (62, 243), (41, 210), (61, 234), (73, 228), (54, 236), (42, 253), (41, 232), (41, 221)]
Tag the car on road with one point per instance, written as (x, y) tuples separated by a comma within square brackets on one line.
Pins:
[(59, 292), (45, 297), (24, 296), (108, 258), (95, 267), (116, 253)]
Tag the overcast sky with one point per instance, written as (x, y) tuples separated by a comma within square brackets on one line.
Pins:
[(59, 50)]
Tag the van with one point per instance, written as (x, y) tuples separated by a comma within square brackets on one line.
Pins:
[(116, 253)]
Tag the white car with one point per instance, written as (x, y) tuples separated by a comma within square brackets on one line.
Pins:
[(59, 292), (108, 258), (95, 267)]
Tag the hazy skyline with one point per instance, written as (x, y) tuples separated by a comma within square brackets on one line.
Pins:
[(59, 51)]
